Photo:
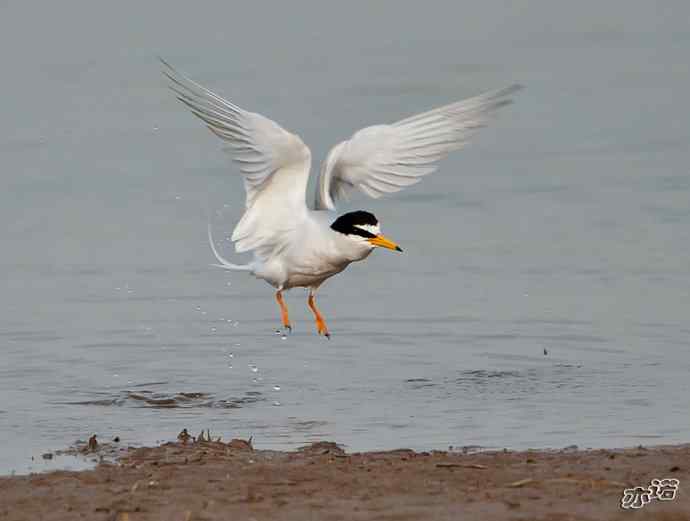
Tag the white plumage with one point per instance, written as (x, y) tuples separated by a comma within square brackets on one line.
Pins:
[(293, 245), (384, 159)]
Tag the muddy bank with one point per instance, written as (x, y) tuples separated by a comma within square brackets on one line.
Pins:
[(212, 480)]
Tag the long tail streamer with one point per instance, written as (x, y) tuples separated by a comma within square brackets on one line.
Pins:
[(222, 262)]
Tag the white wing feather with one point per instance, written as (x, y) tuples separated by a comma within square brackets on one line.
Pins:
[(274, 163), (384, 159)]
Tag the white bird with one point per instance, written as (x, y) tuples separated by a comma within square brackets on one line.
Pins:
[(292, 244)]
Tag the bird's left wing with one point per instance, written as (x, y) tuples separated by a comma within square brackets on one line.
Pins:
[(384, 159), (274, 164)]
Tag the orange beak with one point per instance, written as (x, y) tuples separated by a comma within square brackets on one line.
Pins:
[(384, 242)]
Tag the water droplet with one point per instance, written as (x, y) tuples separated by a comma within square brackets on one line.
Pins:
[(276, 387), (155, 127), (198, 308), (237, 344), (177, 197), (253, 368), (277, 404), (229, 366), (231, 355), (213, 330), (283, 337)]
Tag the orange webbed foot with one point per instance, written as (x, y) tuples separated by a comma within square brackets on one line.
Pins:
[(284, 317), (320, 322)]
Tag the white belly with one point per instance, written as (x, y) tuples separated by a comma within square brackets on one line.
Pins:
[(286, 275), (316, 253)]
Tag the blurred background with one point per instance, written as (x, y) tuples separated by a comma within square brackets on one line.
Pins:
[(542, 299)]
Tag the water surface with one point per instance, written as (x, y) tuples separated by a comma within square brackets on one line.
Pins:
[(564, 229)]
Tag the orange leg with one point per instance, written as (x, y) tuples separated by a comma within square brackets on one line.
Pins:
[(320, 322), (283, 310)]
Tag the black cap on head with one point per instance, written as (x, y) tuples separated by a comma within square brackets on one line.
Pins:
[(350, 223)]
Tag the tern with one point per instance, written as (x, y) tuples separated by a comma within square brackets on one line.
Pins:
[(292, 244)]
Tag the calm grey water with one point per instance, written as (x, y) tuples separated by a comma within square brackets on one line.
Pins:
[(565, 227)]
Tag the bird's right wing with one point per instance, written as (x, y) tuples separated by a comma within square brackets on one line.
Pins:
[(274, 162), (383, 159)]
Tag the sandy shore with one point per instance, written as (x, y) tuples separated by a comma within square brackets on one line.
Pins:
[(231, 481)]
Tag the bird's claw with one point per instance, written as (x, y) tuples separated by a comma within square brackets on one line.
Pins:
[(287, 328)]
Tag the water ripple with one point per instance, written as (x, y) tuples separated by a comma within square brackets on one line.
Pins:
[(180, 400)]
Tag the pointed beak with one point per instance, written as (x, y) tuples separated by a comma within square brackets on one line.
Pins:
[(384, 242)]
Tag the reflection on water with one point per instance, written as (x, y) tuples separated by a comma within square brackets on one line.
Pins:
[(542, 297)]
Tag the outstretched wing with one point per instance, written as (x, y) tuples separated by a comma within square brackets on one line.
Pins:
[(383, 159), (274, 164)]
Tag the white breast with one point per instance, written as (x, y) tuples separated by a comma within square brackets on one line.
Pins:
[(314, 254)]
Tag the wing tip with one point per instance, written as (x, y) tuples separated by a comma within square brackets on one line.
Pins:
[(504, 92), (163, 61)]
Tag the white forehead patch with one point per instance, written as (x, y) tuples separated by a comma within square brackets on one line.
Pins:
[(371, 228)]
